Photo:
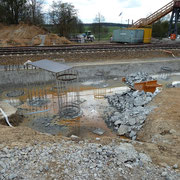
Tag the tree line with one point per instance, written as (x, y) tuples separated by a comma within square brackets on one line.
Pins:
[(15, 11), (65, 19), (62, 15), (160, 29)]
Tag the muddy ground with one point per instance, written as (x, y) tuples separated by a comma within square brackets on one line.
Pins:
[(161, 130), (160, 134)]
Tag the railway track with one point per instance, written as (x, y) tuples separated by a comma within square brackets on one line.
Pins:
[(85, 48)]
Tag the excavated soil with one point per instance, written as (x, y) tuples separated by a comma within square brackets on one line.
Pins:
[(28, 35), (162, 128), (15, 120)]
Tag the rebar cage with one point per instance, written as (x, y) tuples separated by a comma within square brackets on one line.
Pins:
[(100, 91), (68, 94), (38, 78)]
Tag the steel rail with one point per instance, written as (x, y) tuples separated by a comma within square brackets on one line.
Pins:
[(85, 48)]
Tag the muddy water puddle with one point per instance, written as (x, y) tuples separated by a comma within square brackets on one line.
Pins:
[(44, 116)]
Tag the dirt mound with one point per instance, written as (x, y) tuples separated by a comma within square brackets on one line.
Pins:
[(28, 35), (53, 39), (15, 120), (162, 128)]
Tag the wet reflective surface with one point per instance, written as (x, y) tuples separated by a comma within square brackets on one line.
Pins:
[(43, 114)]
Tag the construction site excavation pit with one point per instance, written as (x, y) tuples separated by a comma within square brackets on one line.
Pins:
[(43, 114), (53, 104)]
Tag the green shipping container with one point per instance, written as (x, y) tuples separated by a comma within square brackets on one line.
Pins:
[(128, 35)]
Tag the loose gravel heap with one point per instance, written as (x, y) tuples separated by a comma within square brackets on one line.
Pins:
[(130, 108), (79, 160), (137, 77)]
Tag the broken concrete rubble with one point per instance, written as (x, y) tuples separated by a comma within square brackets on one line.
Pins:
[(137, 77), (99, 131), (130, 112), (130, 108), (123, 129)]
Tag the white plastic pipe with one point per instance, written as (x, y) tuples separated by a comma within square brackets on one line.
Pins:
[(6, 117)]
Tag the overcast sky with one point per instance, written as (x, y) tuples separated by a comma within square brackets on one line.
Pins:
[(110, 9)]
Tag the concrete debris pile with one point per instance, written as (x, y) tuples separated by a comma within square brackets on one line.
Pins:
[(137, 77), (129, 110), (83, 161)]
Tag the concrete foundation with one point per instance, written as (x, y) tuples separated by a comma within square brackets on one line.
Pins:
[(90, 71)]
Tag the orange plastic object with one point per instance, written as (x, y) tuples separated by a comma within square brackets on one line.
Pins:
[(147, 86), (173, 36), (123, 79)]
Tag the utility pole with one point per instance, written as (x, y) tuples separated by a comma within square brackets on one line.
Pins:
[(121, 17)]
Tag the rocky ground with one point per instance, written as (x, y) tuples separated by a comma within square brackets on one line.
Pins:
[(27, 154), (46, 157), (128, 111)]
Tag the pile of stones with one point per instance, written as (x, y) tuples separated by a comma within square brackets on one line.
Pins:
[(137, 77), (130, 109), (79, 161)]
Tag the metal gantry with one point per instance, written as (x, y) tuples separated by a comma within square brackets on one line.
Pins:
[(175, 17)]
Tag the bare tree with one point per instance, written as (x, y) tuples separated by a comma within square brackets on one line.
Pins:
[(97, 25), (36, 15), (14, 11), (64, 17)]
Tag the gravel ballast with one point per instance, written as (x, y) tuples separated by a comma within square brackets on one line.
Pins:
[(80, 160)]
